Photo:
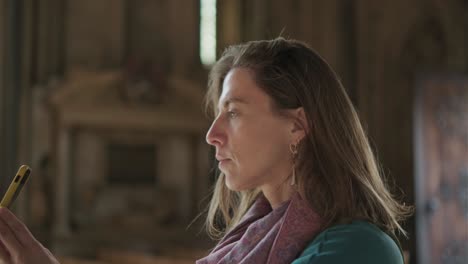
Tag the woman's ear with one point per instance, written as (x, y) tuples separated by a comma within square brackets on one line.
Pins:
[(300, 124)]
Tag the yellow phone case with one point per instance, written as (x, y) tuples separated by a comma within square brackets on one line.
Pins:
[(16, 185)]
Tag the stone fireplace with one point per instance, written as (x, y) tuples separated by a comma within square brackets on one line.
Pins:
[(123, 165)]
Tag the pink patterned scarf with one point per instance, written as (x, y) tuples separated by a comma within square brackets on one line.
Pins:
[(268, 236)]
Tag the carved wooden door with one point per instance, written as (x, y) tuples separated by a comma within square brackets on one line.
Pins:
[(441, 137)]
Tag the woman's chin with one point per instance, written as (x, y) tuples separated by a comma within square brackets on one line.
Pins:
[(236, 186), (230, 184), (233, 187)]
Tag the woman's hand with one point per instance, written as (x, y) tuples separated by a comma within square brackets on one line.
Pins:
[(17, 244)]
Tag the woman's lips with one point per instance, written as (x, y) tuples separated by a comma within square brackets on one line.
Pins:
[(223, 162)]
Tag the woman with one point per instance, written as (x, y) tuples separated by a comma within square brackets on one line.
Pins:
[(299, 182)]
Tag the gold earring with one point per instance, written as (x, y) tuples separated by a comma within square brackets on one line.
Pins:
[(293, 148)]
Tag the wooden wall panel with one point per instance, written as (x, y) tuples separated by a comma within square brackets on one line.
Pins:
[(441, 133)]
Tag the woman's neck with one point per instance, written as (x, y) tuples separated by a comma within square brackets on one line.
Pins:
[(276, 195)]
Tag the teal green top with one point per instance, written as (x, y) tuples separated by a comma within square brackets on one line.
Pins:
[(358, 242)]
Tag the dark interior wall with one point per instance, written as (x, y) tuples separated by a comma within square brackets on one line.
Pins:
[(3, 20), (109, 34), (15, 88), (9, 88), (94, 33)]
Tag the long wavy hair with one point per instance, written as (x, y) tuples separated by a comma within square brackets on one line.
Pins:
[(336, 169)]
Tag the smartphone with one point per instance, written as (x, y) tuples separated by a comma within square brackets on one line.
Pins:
[(16, 185)]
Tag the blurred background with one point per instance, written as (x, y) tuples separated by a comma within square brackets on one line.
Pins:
[(103, 99)]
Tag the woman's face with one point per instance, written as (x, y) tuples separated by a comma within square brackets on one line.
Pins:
[(252, 143)]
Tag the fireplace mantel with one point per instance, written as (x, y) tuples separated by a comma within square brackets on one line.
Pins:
[(88, 111), (93, 99)]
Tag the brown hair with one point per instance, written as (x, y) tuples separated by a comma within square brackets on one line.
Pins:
[(337, 171)]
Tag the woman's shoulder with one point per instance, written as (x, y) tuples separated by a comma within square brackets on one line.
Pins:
[(357, 242)]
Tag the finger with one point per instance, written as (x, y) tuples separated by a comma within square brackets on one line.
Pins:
[(19, 230), (7, 238)]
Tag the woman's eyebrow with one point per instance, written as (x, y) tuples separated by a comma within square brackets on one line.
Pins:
[(233, 100)]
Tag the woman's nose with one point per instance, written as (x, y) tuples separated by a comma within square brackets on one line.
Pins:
[(214, 136)]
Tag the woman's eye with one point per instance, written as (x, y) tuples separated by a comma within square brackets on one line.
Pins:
[(232, 114)]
